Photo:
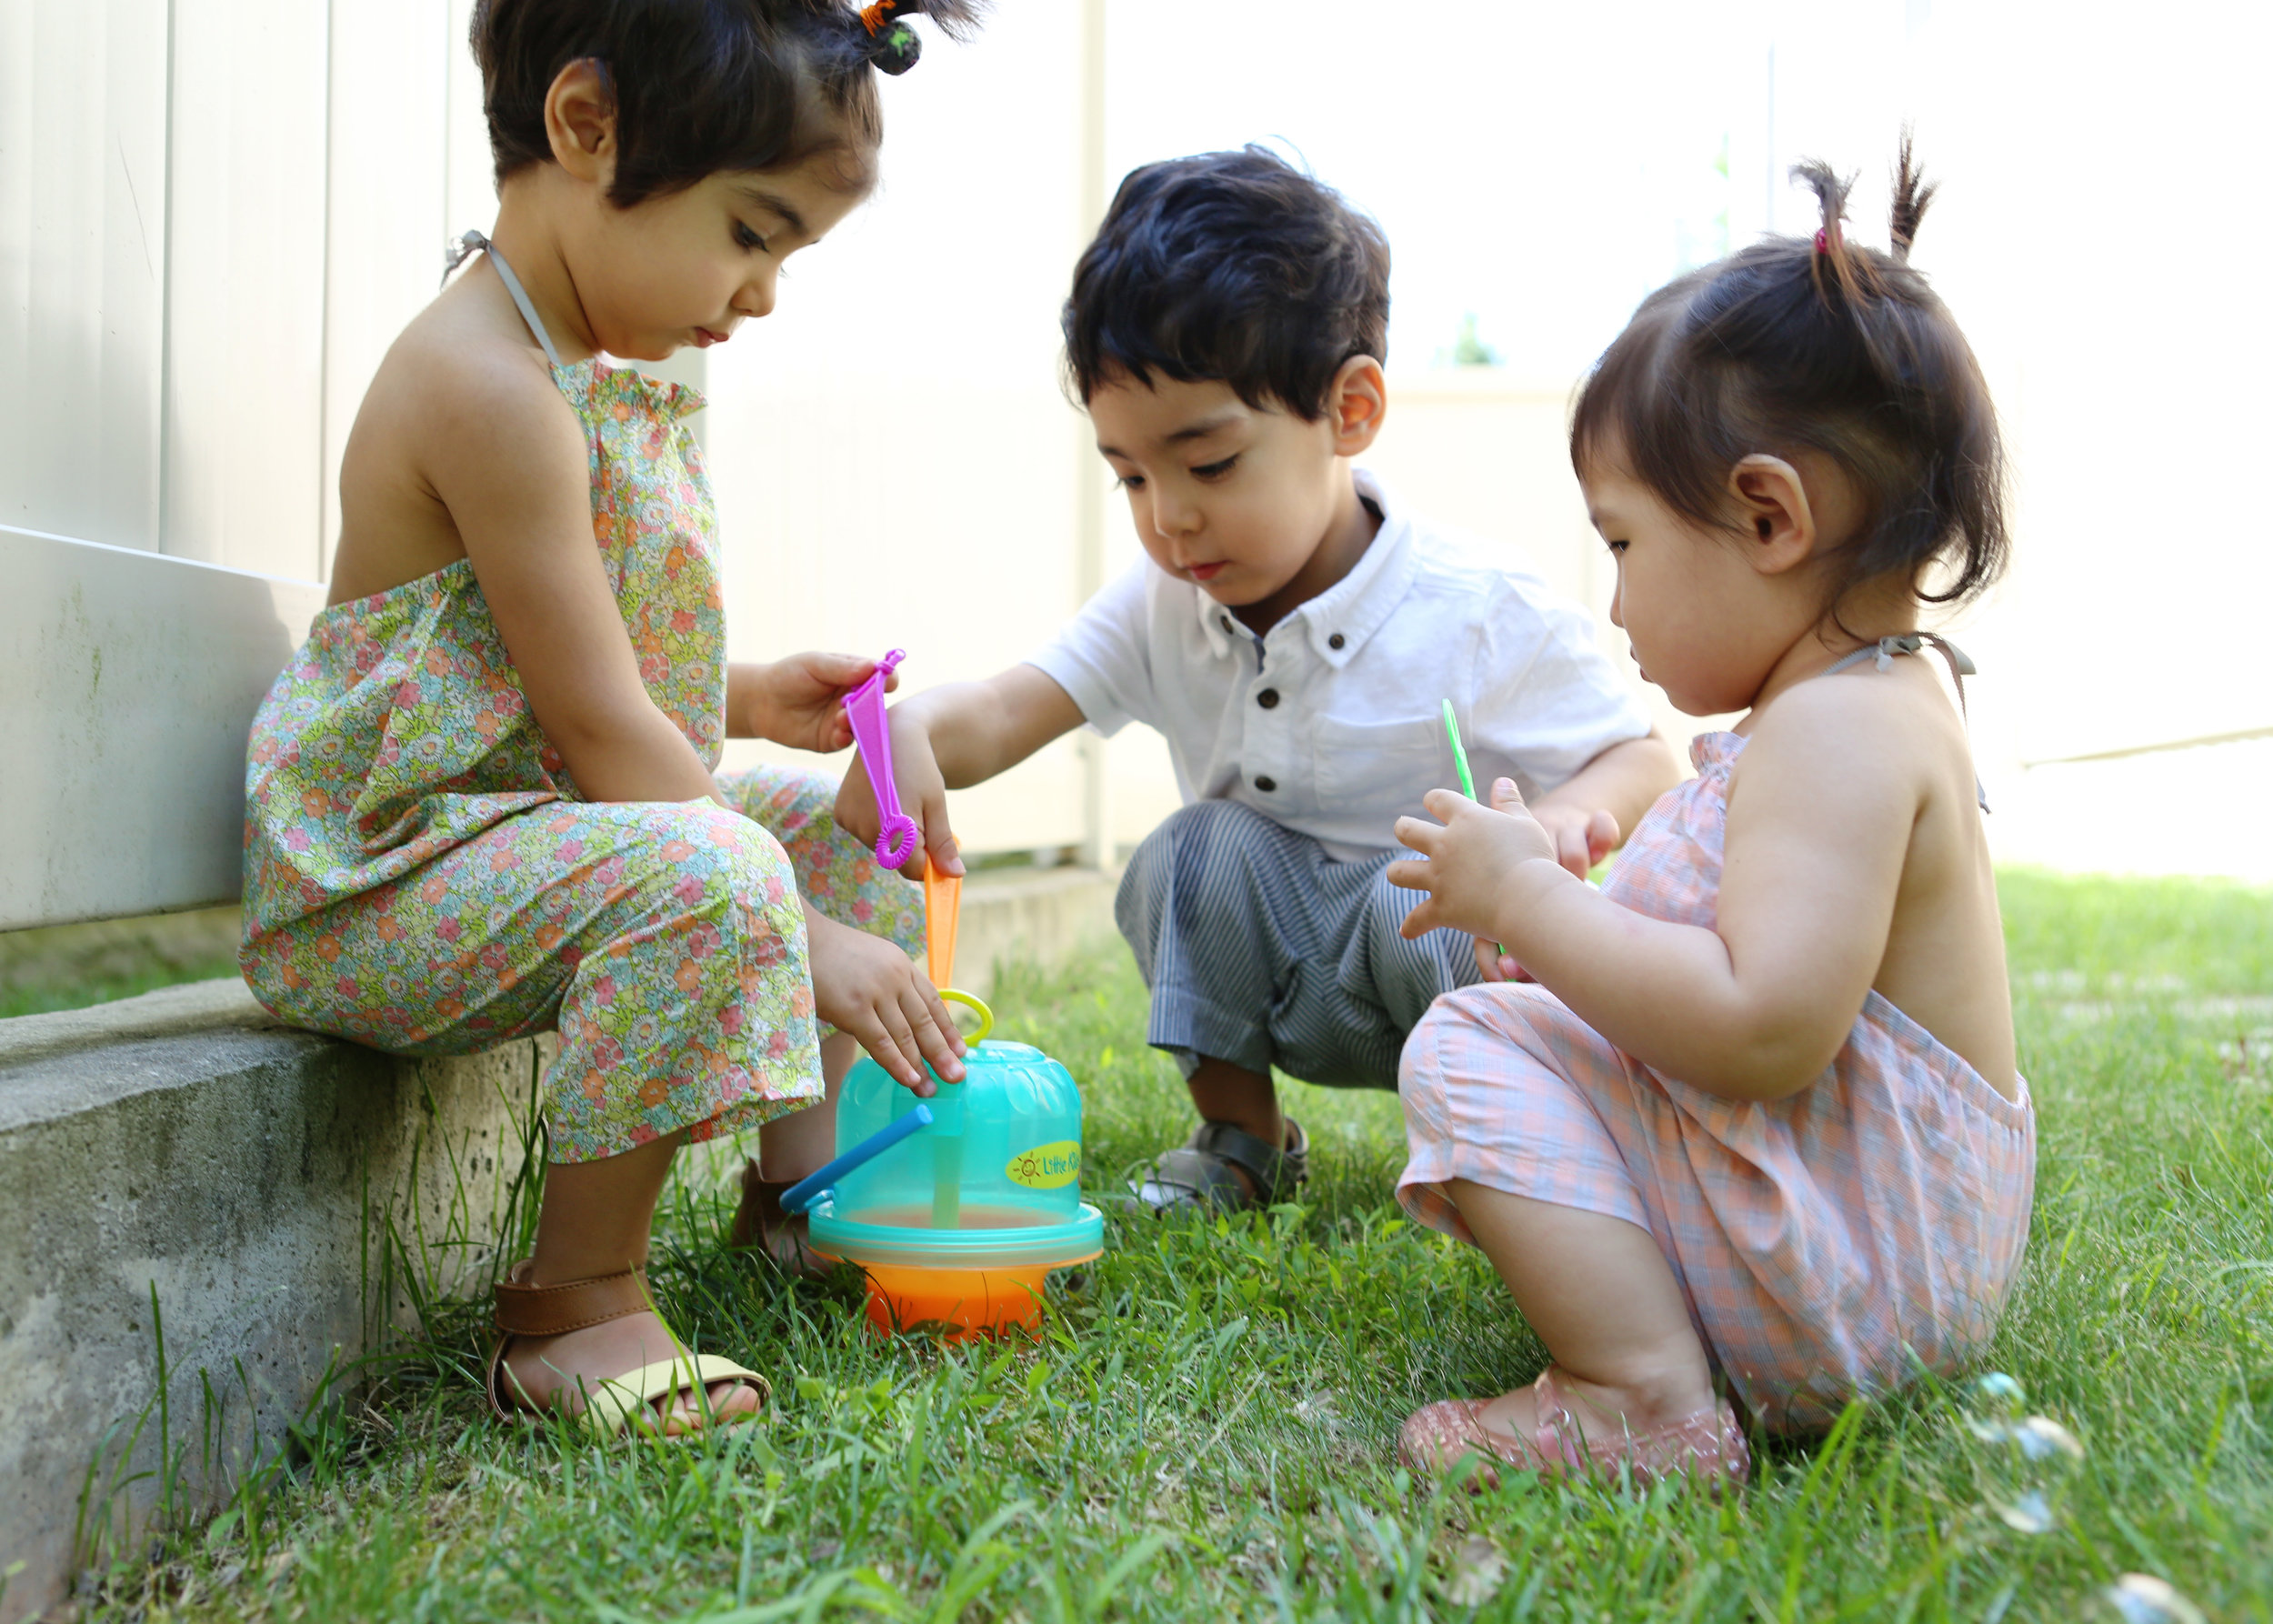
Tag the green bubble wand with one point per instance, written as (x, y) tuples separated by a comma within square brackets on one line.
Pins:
[(1468, 780)]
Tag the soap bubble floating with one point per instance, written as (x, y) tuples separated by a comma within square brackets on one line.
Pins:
[(2026, 1462), (2142, 1598)]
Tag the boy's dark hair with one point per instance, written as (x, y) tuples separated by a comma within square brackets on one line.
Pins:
[(1822, 346), (1230, 265), (700, 85)]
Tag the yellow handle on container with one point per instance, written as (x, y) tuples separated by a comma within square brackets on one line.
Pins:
[(985, 1015)]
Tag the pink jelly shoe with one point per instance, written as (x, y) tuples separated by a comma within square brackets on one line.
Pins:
[(1707, 1447)]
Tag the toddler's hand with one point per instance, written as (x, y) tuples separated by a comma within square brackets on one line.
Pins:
[(922, 797), (865, 985), (1472, 856), (800, 700)]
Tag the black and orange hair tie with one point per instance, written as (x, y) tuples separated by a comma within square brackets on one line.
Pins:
[(892, 46)]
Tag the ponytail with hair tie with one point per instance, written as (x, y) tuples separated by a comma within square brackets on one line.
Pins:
[(1830, 246), (892, 43)]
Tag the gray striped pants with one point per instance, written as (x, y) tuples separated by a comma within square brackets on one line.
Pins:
[(1262, 950)]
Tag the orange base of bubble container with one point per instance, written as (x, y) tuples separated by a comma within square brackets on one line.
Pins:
[(957, 1304), (987, 1278)]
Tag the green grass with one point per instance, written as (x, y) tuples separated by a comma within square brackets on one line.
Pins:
[(1205, 1431), (73, 967)]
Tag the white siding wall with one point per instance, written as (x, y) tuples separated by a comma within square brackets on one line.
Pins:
[(83, 247)]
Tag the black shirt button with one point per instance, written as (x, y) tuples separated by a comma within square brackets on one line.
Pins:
[(1335, 641), (1267, 698), (1267, 783)]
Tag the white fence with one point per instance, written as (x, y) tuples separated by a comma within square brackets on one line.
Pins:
[(216, 214)]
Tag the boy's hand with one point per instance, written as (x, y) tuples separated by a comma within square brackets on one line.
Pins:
[(800, 700), (922, 797), (1583, 836), (866, 986), (1496, 965), (1474, 858)]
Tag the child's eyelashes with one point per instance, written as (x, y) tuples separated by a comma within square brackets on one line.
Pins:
[(1207, 471), (744, 237)]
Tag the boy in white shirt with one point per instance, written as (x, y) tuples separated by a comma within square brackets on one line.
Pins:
[(1292, 634)]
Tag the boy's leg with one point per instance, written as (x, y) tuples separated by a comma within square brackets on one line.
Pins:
[(1216, 905), (1340, 1009)]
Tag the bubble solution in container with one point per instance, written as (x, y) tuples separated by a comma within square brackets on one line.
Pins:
[(959, 1226)]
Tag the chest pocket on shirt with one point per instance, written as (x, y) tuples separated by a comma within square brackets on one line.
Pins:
[(1387, 764)]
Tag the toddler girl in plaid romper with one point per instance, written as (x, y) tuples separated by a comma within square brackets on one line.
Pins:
[(1756, 1129)]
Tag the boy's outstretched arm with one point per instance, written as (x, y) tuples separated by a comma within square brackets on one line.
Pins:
[(951, 737), (1591, 811)]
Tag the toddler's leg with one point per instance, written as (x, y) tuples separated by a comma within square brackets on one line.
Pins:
[(1501, 1090), (664, 941), (593, 1222), (1602, 1298), (841, 878)]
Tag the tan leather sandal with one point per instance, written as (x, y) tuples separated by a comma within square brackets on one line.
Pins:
[(617, 1403), (760, 1224), (1707, 1447)]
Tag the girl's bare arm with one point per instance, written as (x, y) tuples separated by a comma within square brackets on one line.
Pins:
[(506, 456), (1818, 830)]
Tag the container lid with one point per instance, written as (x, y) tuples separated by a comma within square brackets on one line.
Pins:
[(913, 1244)]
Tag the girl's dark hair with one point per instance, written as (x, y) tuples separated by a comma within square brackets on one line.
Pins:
[(700, 85), (1233, 267), (1821, 346)]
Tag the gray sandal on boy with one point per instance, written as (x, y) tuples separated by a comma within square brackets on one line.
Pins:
[(1199, 1172)]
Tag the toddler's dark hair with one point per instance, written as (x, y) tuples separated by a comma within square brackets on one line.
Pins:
[(1230, 265), (1823, 345), (700, 85)]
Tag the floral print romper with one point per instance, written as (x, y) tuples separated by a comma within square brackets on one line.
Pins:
[(421, 874)]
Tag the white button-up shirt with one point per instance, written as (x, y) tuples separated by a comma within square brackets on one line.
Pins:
[(1329, 723)]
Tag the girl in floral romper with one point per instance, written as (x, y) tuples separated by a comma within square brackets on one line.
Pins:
[(480, 797), (1756, 1127)]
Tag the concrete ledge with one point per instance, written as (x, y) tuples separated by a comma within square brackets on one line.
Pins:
[(182, 1144)]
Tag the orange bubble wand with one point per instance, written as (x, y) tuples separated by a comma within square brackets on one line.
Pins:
[(942, 910)]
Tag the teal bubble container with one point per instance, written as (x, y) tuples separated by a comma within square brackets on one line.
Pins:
[(959, 1226)]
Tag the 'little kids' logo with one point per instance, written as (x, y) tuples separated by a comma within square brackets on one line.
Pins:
[(1046, 1166)]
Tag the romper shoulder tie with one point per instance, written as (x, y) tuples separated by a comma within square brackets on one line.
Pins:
[(1882, 652), (453, 254)]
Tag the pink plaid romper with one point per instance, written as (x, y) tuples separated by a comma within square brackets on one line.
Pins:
[(1829, 1245)]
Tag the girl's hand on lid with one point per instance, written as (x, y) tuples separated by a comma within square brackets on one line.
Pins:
[(1474, 861), (798, 701), (866, 986)]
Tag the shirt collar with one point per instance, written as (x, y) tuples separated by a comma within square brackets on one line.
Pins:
[(1341, 619)]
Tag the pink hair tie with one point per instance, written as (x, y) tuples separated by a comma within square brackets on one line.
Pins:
[(1823, 240)]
